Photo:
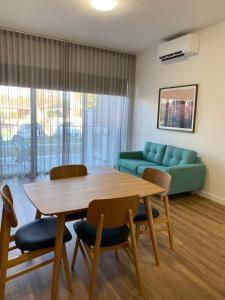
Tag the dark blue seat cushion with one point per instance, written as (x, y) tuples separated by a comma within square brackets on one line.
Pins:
[(110, 237), (39, 234), (142, 216), (77, 216)]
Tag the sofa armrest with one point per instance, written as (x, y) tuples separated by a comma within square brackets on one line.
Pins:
[(189, 177), (130, 155)]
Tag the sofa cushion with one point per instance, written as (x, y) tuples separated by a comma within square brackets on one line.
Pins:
[(154, 152), (133, 164), (128, 171), (177, 156), (141, 169)]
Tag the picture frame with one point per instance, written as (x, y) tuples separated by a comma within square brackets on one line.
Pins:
[(177, 108)]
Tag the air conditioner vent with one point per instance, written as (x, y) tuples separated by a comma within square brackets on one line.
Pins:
[(171, 56)]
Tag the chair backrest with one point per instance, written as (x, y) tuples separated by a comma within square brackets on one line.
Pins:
[(115, 211), (158, 177), (8, 205), (67, 171)]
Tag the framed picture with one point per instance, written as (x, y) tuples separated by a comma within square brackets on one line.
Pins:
[(177, 108)]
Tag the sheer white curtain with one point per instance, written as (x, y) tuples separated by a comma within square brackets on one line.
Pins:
[(61, 103), (105, 132)]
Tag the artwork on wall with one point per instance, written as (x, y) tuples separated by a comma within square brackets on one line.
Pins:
[(177, 108)]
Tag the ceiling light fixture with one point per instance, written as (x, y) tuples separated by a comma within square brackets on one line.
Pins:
[(104, 5)]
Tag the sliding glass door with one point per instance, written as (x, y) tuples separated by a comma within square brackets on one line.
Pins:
[(59, 117), (40, 129), (15, 133), (49, 117)]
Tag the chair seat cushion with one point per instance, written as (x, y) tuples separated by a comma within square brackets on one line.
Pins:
[(39, 234), (77, 216), (110, 237), (141, 214)]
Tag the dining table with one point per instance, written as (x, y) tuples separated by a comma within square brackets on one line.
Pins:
[(71, 195)]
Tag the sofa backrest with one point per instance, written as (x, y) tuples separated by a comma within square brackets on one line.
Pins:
[(175, 156), (154, 152)]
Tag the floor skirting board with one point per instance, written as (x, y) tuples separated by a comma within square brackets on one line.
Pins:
[(211, 196)]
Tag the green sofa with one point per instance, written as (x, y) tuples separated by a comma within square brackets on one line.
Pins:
[(185, 167)]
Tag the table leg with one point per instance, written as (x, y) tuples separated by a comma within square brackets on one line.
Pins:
[(58, 254), (151, 226)]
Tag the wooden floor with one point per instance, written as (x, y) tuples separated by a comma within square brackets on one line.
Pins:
[(195, 270)]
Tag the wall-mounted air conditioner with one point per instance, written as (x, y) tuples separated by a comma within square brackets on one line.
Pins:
[(185, 46)]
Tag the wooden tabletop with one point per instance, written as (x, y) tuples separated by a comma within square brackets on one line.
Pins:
[(74, 194)]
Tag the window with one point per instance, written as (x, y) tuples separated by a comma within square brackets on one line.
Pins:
[(41, 128)]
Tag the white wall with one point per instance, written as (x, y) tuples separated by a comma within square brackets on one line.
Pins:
[(208, 70)]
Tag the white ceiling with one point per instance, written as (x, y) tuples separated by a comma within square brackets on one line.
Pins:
[(133, 26)]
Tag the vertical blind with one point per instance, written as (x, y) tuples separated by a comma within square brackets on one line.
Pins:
[(61, 102)]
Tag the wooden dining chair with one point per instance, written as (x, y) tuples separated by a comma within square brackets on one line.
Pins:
[(104, 230), (34, 239), (162, 179), (68, 171)]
